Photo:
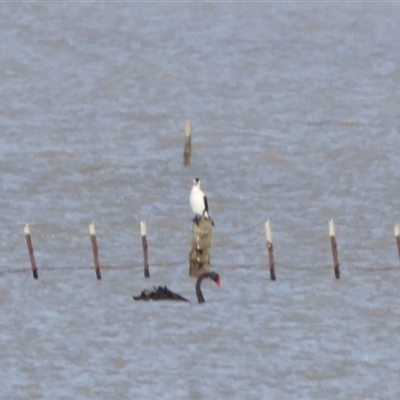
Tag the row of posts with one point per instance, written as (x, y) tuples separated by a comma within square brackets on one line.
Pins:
[(332, 235), (199, 257), (95, 250)]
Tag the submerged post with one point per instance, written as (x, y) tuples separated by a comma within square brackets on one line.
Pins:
[(397, 236), (30, 250), (270, 248), (334, 248), (92, 231), (188, 142), (143, 233), (200, 254)]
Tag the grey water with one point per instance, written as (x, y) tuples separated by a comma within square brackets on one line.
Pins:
[(295, 113)]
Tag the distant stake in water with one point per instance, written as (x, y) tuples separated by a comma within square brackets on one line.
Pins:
[(30, 250), (143, 233), (92, 231), (270, 248), (397, 236), (334, 248), (188, 143)]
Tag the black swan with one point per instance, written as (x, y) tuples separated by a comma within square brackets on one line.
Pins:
[(163, 293)]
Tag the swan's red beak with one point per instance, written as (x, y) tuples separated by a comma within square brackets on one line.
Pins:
[(218, 282)]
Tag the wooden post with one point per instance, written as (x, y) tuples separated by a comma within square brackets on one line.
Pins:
[(30, 250), (200, 254), (397, 236), (92, 231), (188, 142), (270, 248), (143, 233), (334, 249)]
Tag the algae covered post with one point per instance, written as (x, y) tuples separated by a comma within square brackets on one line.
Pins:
[(200, 253)]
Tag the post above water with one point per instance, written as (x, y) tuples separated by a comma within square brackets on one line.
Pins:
[(200, 253), (187, 151)]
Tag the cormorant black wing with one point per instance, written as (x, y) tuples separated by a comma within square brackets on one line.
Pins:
[(205, 204)]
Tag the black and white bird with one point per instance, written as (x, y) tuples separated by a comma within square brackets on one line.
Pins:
[(198, 202)]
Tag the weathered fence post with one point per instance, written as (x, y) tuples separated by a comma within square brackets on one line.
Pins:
[(200, 254), (92, 231), (270, 248), (143, 233), (30, 250), (397, 236), (334, 248), (188, 142)]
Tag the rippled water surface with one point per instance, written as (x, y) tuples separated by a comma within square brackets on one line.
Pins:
[(295, 112)]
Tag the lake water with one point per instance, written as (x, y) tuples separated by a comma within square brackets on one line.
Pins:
[(295, 112)]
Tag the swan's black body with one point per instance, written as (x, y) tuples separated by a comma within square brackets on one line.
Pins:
[(160, 293), (163, 293)]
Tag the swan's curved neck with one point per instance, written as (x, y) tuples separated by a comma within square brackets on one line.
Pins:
[(199, 293)]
